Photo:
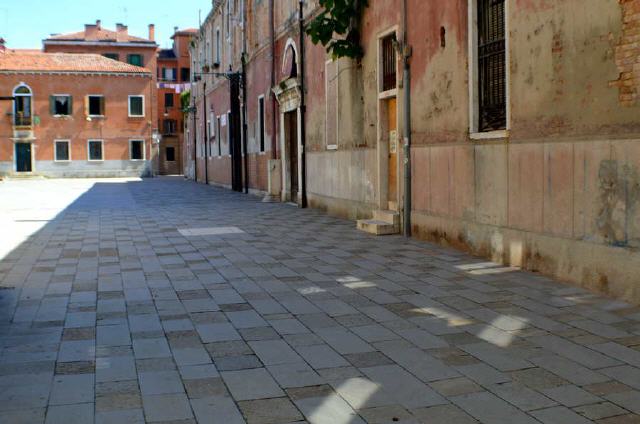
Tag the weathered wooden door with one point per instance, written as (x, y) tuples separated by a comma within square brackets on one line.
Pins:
[(23, 157), (392, 126)]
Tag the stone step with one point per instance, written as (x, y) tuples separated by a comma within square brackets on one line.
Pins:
[(379, 228), (390, 217)]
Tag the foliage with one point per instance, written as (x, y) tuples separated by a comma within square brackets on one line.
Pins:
[(339, 18), (185, 100)]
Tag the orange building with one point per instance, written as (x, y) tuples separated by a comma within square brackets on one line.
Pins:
[(118, 45), (174, 76), (74, 115)]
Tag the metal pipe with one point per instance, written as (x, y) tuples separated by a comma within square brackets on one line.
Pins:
[(195, 141), (303, 153), (406, 54), (244, 97), (272, 35), (206, 139)]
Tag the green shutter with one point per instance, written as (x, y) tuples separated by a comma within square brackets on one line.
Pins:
[(52, 105), (71, 105), (102, 106)]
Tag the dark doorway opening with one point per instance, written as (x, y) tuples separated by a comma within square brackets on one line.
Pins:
[(23, 157), (236, 136), (291, 128)]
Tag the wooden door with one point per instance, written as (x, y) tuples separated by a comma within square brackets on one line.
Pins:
[(392, 127), (292, 136), (23, 157)]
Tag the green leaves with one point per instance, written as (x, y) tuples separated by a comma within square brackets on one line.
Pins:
[(337, 27)]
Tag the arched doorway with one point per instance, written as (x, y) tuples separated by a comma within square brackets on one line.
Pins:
[(22, 120)]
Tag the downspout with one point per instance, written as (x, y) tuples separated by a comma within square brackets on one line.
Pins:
[(272, 35), (194, 111), (406, 55), (206, 139), (303, 153), (244, 97)]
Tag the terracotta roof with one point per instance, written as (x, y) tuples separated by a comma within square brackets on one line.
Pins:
[(29, 60), (99, 34), (187, 31)]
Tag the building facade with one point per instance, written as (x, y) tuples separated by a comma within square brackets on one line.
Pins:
[(174, 76), (74, 115), (505, 128), (118, 45)]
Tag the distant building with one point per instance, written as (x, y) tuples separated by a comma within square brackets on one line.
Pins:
[(74, 115), (174, 76), (117, 45)]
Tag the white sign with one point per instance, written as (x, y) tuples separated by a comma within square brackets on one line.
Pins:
[(223, 120)]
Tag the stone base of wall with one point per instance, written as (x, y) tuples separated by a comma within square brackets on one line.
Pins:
[(606, 269), (342, 208), (83, 169)]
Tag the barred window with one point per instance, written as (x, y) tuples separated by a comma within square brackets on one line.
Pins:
[(389, 63), (492, 65)]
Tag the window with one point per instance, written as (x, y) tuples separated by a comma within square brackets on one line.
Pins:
[(185, 74), (170, 154), (491, 65), (217, 46), (95, 105), (114, 56), (168, 99), (169, 126), (261, 119), (136, 149), (169, 74), (219, 136), (389, 63), (134, 59), (22, 106), (61, 151), (229, 131), (136, 106), (95, 150), (60, 105), (331, 109)]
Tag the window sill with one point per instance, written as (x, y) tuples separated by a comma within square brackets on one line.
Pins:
[(136, 160), (62, 161), (62, 116), (388, 93), (332, 147), (490, 135), (262, 153), (95, 160), (95, 116), (136, 116)]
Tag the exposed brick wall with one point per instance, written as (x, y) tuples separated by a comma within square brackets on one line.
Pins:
[(627, 54)]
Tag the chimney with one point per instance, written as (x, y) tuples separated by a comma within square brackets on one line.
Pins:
[(175, 29), (99, 23), (122, 33), (152, 32), (91, 31), (2, 46)]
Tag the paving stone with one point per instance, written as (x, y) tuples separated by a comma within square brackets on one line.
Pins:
[(295, 375), (569, 370), (570, 396), (205, 387), (81, 413), (160, 382), (443, 414), (222, 407), (523, 397), (217, 332), (166, 407), (270, 411), (235, 363), (274, 352), (129, 416), (559, 415), (599, 411), (488, 408), (68, 389), (251, 384), (321, 356), (151, 348), (455, 386), (628, 400), (23, 416)]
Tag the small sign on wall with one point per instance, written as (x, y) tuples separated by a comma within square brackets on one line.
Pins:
[(223, 120), (393, 142)]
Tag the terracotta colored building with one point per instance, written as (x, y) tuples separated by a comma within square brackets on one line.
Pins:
[(117, 45), (174, 77), (74, 115), (505, 128)]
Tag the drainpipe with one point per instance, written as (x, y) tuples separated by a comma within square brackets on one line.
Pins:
[(244, 97), (272, 35), (406, 55), (303, 129), (206, 140), (195, 141)]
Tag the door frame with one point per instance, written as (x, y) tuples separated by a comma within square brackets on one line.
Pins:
[(288, 96), (382, 144), (15, 155)]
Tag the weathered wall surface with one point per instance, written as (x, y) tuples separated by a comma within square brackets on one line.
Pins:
[(560, 194)]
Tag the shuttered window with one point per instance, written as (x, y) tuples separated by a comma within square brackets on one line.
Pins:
[(492, 65)]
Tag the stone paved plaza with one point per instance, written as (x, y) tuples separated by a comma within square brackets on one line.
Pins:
[(163, 301)]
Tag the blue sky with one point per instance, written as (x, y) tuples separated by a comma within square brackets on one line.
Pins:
[(25, 23)]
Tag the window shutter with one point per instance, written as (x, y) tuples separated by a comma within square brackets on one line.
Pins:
[(70, 105), (102, 105), (52, 105), (86, 105)]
